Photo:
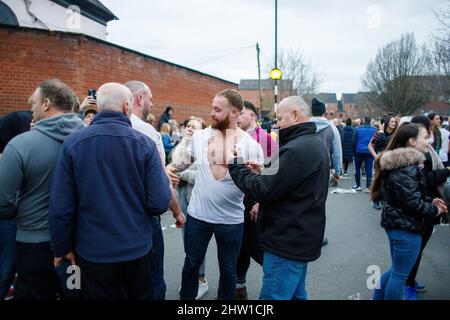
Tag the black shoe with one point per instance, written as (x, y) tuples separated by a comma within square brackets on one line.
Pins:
[(324, 242), (240, 294)]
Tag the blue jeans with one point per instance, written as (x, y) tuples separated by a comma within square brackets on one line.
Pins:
[(405, 247), (157, 260), (182, 199), (8, 229), (368, 163), (283, 279), (197, 236)]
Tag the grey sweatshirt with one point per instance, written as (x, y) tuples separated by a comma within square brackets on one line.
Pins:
[(333, 142), (26, 169)]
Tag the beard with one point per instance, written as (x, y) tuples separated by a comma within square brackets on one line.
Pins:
[(145, 113), (221, 125)]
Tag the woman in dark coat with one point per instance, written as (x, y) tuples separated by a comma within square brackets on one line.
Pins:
[(165, 117), (347, 149), (399, 172)]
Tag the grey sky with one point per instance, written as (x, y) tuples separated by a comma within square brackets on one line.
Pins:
[(218, 37)]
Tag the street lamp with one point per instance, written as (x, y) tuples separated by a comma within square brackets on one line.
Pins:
[(275, 74)]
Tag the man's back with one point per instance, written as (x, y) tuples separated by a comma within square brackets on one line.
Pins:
[(119, 180), (148, 130), (362, 138), (27, 165)]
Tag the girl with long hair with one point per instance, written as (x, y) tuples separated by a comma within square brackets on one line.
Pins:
[(398, 171)]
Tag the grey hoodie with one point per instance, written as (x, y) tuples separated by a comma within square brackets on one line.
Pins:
[(332, 140), (26, 169)]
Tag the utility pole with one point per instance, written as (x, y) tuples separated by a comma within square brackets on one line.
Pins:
[(259, 81)]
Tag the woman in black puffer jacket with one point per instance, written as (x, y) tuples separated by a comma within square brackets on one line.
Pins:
[(398, 171)]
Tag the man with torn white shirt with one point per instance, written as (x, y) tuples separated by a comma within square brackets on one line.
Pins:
[(216, 205)]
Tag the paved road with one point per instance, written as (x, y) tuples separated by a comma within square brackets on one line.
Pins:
[(356, 241)]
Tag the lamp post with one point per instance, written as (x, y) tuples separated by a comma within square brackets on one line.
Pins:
[(275, 73)]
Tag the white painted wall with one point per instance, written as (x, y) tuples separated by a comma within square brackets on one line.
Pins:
[(55, 17)]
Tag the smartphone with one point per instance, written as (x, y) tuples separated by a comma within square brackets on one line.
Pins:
[(92, 93)]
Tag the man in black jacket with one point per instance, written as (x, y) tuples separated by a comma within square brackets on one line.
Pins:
[(292, 202)]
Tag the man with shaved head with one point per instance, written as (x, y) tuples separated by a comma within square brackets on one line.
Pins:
[(292, 202), (109, 182), (142, 103)]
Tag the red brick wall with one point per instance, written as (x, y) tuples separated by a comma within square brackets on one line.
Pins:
[(29, 56)]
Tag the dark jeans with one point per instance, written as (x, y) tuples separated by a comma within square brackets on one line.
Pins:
[(8, 229), (36, 276), (411, 281), (197, 236), (116, 281), (368, 163), (251, 248), (157, 261)]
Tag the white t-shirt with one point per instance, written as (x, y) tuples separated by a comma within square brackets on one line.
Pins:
[(218, 201), (444, 146), (147, 129)]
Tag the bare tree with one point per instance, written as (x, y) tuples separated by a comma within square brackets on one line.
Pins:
[(295, 66), (395, 78), (439, 57)]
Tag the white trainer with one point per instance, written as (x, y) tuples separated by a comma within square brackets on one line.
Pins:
[(202, 289)]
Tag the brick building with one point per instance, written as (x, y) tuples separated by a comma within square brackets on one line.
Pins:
[(351, 107), (249, 89), (30, 55)]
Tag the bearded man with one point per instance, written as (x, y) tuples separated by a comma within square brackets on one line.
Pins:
[(216, 205)]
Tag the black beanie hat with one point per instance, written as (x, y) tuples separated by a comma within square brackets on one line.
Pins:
[(317, 107)]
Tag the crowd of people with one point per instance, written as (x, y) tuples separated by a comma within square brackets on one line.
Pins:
[(411, 187), (85, 184)]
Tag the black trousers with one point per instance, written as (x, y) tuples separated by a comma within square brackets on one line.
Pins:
[(116, 281), (37, 279), (251, 248), (346, 162), (411, 281)]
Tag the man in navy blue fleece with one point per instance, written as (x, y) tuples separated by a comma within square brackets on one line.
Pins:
[(108, 182)]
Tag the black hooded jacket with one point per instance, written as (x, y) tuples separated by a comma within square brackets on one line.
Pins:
[(407, 205), (292, 200), (12, 125)]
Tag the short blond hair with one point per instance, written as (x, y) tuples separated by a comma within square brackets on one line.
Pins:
[(165, 128)]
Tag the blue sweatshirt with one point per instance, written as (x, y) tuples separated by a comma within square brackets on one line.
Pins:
[(362, 137), (26, 170), (108, 182)]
